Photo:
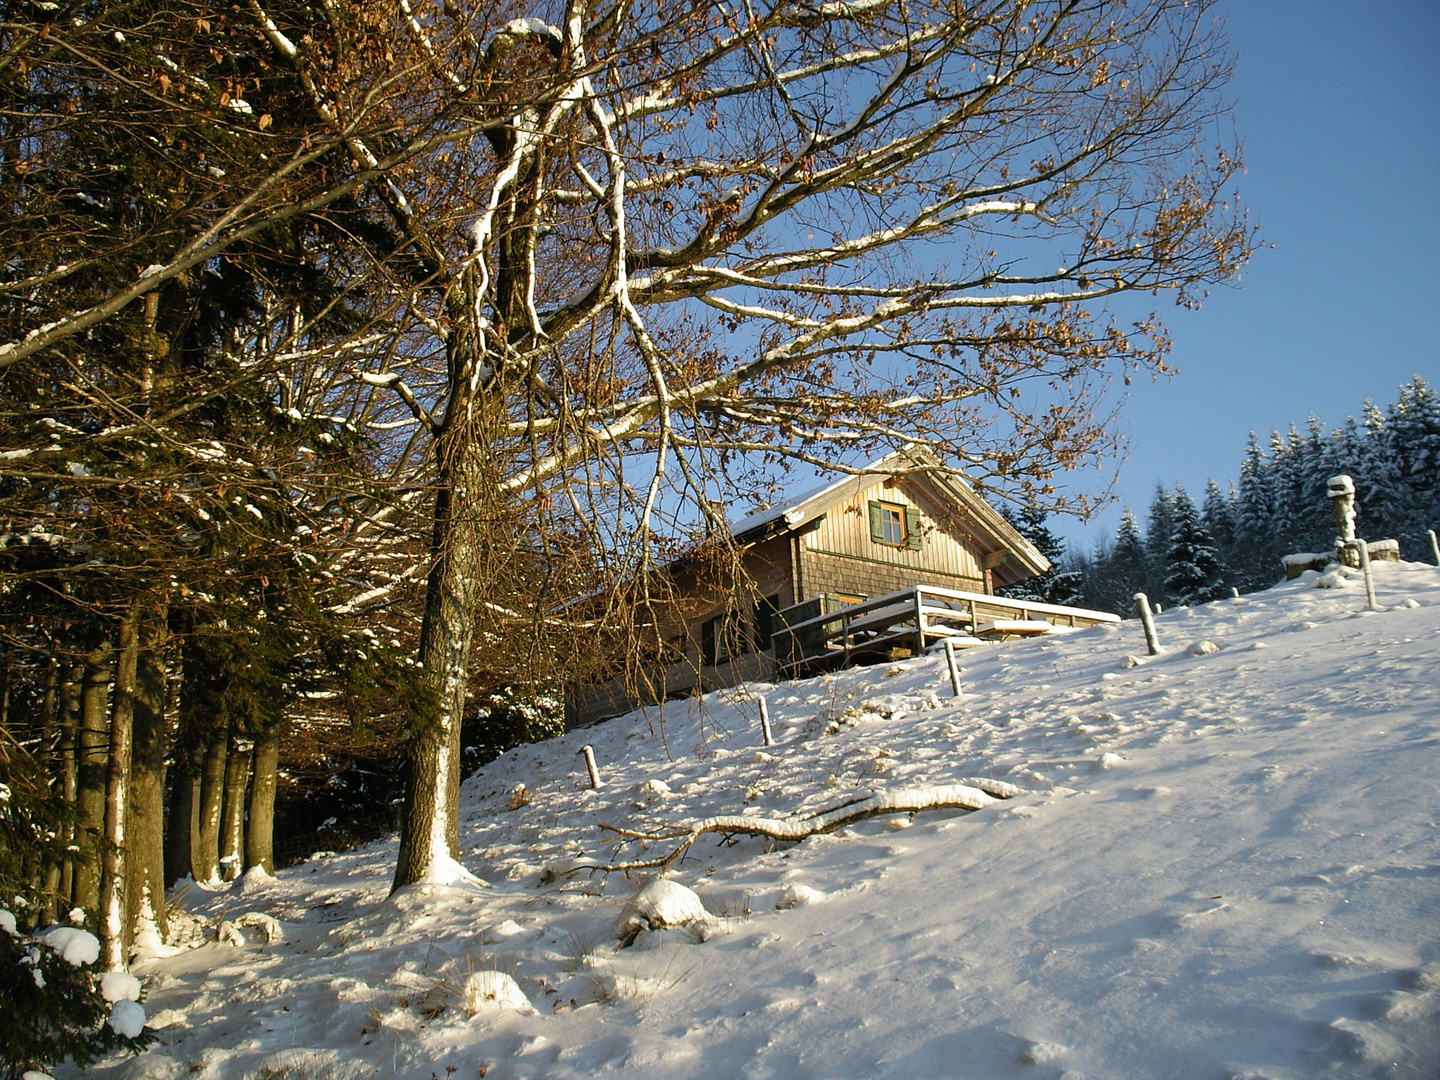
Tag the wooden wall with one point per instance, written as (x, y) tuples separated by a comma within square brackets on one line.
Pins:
[(839, 556)]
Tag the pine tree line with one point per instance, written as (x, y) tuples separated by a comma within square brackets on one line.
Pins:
[(1236, 537)]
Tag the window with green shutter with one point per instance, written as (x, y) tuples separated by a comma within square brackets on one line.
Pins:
[(895, 525)]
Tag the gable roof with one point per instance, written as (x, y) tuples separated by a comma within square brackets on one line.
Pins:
[(801, 510)]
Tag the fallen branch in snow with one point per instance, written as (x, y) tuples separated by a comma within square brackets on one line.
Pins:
[(972, 794)]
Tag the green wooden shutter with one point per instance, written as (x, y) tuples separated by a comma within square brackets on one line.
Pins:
[(877, 526), (913, 539)]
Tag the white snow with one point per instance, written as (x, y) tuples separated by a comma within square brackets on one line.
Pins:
[(127, 1018), (7, 922), (119, 986), (667, 903), (77, 947), (1218, 865)]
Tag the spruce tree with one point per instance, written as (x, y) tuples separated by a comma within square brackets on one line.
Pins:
[(1158, 528), (1192, 569)]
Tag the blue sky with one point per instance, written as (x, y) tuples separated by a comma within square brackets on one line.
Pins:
[(1338, 108)]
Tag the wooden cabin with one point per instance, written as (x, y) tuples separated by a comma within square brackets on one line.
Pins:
[(884, 563)]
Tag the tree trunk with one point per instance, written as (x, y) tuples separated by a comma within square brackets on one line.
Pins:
[(184, 817), (429, 835), (114, 935), (232, 831), (206, 844), (69, 778), (90, 781), (145, 883), (260, 830), (50, 756)]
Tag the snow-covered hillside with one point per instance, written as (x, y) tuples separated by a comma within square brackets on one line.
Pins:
[(1224, 864)]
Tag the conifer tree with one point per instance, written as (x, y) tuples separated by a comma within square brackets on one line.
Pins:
[(1192, 569), (1158, 527)]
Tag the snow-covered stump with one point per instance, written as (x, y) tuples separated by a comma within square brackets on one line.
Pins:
[(589, 753), (1147, 620), (1434, 545), (952, 667), (765, 734)]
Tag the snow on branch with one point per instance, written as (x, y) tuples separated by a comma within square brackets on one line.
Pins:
[(971, 794)]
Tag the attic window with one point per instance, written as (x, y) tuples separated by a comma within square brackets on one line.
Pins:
[(895, 525)]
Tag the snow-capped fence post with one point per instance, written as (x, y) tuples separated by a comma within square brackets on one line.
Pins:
[(765, 736), (1364, 550), (1142, 608), (1434, 545), (952, 667), (589, 753)]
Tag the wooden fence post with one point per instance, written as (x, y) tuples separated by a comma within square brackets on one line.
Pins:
[(952, 667), (1434, 545), (589, 753), (765, 735), (1369, 578), (1142, 608)]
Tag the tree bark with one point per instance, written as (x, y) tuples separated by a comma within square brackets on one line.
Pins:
[(90, 780), (145, 857), (429, 834), (206, 844), (232, 832), (50, 755), (114, 935), (69, 778), (183, 821), (260, 830)]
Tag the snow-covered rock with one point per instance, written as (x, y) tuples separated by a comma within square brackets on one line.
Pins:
[(665, 902), (485, 990)]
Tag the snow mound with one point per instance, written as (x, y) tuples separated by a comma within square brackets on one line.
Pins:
[(7, 922), (661, 904), (799, 896), (492, 990), (77, 947), (1204, 648)]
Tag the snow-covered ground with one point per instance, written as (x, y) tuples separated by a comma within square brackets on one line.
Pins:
[(1225, 864)]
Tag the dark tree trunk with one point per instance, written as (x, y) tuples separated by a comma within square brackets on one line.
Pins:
[(90, 791), (145, 884), (69, 778), (232, 830), (50, 756), (260, 829), (206, 851), (113, 931), (184, 815)]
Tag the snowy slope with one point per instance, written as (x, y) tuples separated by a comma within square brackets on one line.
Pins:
[(1225, 864)]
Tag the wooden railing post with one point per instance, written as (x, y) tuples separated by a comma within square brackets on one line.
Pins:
[(919, 621)]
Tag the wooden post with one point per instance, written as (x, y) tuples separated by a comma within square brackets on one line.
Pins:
[(919, 622), (1142, 608), (1369, 577), (952, 667), (589, 753), (1434, 545), (1234, 593), (765, 735)]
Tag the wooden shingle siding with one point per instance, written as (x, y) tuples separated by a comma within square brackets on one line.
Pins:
[(840, 556)]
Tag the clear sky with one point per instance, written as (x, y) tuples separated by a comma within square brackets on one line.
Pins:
[(1338, 107)]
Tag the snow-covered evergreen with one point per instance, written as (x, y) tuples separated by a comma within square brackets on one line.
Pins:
[(1192, 567)]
